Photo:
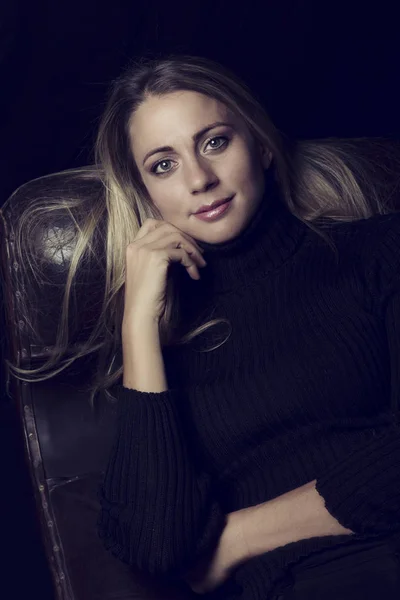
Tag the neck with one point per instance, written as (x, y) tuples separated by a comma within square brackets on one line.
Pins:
[(271, 237)]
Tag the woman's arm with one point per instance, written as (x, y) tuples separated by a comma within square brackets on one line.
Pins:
[(142, 357), (294, 516), (361, 492), (158, 512)]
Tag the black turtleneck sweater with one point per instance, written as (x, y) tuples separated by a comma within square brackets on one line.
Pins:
[(306, 387)]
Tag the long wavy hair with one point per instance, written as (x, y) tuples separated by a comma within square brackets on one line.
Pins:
[(331, 179)]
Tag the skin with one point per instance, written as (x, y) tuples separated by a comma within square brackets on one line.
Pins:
[(196, 173), (296, 515)]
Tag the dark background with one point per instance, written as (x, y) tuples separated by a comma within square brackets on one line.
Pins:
[(322, 69)]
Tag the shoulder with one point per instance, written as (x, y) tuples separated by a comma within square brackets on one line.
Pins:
[(373, 226), (375, 244), (363, 234)]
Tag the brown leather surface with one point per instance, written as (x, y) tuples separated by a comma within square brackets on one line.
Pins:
[(67, 441)]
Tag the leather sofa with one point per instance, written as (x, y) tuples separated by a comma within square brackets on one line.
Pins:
[(67, 441)]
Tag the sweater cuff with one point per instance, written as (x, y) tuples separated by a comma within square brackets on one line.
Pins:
[(127, 398), (362, 491)]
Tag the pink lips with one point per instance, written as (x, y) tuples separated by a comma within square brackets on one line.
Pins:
[(207, 208), (214, 213)]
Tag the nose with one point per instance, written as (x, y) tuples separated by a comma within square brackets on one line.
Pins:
[(200, 176)]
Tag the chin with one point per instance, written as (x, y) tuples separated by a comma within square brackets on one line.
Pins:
[(226, 233)]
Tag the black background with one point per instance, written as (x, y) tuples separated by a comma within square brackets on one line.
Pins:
[(321, 68)]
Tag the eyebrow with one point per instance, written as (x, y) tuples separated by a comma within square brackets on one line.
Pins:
[(195, 138)]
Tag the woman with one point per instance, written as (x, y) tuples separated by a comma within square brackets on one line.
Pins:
[(258, 447)]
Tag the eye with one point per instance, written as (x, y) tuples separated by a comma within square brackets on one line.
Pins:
[(161, 164), (216, 143), (220, 140)]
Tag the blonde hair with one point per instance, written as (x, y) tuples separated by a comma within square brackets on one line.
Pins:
[(321, 179)]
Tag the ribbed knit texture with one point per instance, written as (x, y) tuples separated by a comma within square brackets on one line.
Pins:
[(306, 387)]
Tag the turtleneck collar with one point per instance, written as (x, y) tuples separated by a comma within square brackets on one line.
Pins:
[(270, 238)]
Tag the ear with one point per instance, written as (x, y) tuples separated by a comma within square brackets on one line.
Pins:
[(266, 156)]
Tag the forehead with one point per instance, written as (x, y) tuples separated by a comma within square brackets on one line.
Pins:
[(161, 120)]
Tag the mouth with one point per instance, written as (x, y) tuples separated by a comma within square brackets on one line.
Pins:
[(213, 205), (215, 211)]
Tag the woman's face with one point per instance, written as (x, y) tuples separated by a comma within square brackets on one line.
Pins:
[(192, 151)]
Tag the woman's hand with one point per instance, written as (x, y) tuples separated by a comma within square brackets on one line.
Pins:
[(231, 551), (157, 245)]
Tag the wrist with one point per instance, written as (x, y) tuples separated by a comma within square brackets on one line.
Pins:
[(258, 531), (235, 540), (134, 324)]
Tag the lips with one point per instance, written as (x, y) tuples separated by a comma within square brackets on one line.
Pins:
[(212, 206)]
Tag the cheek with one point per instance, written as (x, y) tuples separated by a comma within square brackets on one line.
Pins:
[(164, 198), (245, 171)]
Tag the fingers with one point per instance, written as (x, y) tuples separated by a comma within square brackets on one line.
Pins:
[(148, 226), (154, 229), (191, 262), (176, 240), (182, 257), (173, 244)]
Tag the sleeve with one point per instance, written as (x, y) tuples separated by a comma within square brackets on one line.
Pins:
[(157, 509), (362, 491)]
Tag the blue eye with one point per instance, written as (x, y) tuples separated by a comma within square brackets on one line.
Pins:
[(156, 165), (218, 137)]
